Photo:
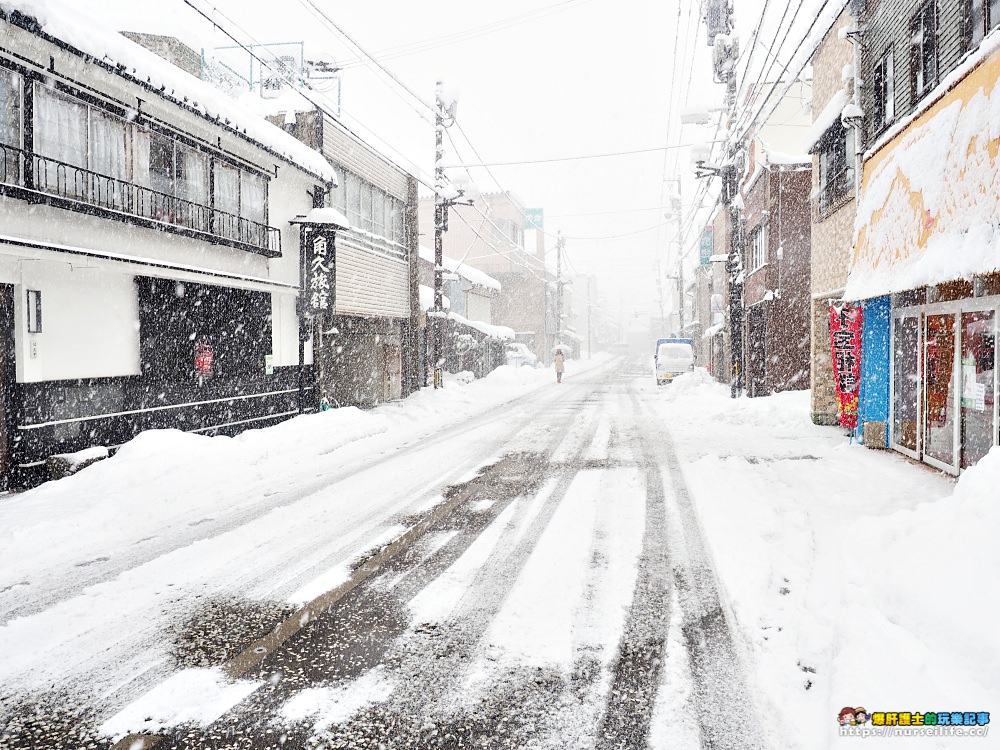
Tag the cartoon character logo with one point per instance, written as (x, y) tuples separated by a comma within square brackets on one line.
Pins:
[(860, 715), (846, 717)]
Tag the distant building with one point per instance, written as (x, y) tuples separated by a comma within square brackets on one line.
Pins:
[(489, 236), (776, 272)]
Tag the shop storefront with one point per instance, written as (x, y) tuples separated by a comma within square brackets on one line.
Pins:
[(928, 244), (944, 381)]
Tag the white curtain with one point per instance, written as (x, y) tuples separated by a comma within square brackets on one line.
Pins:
[(227, 200), (252, 203), (192, 182), (10, 108), (107, 145), (60, 127)]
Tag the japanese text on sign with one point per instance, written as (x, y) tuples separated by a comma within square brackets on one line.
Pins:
[(319, 276), (845, 343)]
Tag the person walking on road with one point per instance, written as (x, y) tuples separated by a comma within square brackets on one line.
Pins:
[(560, 363)]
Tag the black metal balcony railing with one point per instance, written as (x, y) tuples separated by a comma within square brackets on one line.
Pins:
[(74, 183), (10, 165)]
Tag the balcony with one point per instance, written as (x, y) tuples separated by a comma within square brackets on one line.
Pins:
[(80, 189)]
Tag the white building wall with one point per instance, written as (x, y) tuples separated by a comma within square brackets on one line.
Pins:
[(90, 322)]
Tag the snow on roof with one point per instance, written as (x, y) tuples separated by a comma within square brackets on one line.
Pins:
[(827, 118), (779, 158), (473, 275), (64, 20), (496, 332), (712, 330), (927, 212), (427, 299)]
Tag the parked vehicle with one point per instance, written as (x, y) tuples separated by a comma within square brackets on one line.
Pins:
[(519, 354), (673, 357)]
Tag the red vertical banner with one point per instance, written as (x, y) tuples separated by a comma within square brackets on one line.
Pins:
[(845, 342)]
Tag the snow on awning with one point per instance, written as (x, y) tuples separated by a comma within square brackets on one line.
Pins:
[(473, 275), (327, 216), (712, 330), (929, 203), (495, 332), (826, 120)]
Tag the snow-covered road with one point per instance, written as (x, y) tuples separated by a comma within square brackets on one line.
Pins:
[(504, 563), (532, 606)]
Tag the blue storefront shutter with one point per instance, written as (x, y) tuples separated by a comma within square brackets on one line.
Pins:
[(873, 398)]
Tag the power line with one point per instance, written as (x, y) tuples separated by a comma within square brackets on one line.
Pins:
[(426, 45), (788, 85), (577, 158), (301, 87)]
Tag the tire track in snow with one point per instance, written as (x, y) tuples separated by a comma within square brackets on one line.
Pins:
[(720, 702)]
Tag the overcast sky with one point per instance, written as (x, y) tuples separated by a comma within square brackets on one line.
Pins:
[(536, 80)]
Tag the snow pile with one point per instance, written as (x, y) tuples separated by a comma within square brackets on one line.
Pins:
[(853, 576)]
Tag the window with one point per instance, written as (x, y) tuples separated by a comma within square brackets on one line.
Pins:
[(396, 222), (10, 126), (338, 196), (836, 166), (983, 15), (353, 187), (366, 206), (884, 89), (60, 127), (923, 49), (227, 200), (758, 247)]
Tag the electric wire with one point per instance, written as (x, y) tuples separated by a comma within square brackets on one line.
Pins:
[(412, 48), (301, 87)]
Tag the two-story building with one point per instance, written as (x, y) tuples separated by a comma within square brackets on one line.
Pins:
[(927, 241), (149, 272)]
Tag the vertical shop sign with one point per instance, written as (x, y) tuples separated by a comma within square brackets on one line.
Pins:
[(706, 245), (320, 286), (845, 341)]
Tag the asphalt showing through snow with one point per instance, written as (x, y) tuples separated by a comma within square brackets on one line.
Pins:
[(414, 672)]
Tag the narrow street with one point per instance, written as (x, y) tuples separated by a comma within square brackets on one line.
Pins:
[(543, 553)]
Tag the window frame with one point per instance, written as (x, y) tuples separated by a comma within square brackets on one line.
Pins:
[(924, 68), (757, 242), (836, 166), (884, 91), (982, 16)]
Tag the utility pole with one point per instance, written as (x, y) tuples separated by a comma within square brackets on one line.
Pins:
[(677, 207), (440, 212)]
